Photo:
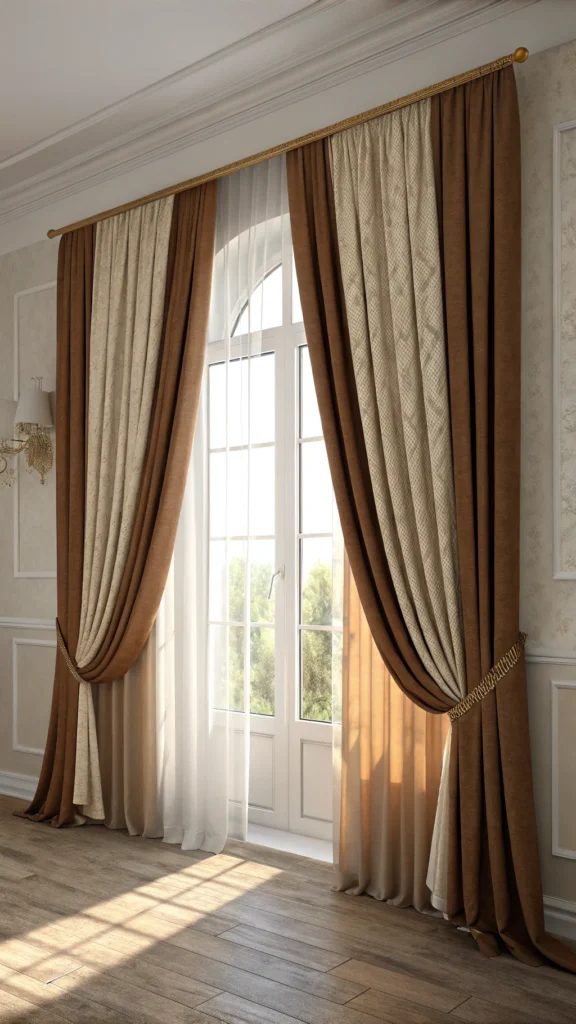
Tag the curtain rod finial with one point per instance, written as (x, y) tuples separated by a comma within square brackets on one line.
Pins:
[(520, 55)]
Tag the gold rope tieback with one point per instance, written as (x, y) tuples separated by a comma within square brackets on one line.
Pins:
[(488, 683), (71, 666)]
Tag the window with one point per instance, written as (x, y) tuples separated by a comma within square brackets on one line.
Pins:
[(273, 592), (242, 534)]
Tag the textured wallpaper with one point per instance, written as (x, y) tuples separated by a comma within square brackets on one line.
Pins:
[(547, 92)]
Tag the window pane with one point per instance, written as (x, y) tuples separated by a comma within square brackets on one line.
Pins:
[(237, 580), (229, 492), (261, 470), (248, 383), (217, 404), (297, 316), (310, 425), (217, 665), (262, 399), (236, 668), (262, 567), (316, 489), (226, 667), (316, 577), (264, 310), (227, 581), (262, 670), (218, 495), (316, 684)]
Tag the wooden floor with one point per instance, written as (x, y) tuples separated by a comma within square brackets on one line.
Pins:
[(99, 927)]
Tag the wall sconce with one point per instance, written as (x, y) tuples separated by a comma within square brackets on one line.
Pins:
[(33, 419)]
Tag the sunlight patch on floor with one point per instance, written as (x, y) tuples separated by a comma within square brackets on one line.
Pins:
[(65, 954)]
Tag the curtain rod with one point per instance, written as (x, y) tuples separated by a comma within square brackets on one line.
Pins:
[(518, 57)]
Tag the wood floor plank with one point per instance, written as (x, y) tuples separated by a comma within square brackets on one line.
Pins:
[(43, 997), (479, 1011), (14, 1008), (234, 1010), (282, 946), (404, 985), (394, 1010), (110, 991)]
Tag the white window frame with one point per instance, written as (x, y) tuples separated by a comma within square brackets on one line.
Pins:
[(288, 733)]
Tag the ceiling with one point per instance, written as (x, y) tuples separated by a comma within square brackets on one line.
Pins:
[(92, 89), (64, 60)]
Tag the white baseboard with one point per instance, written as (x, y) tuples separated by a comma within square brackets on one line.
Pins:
[(560, 917), (14, 784)]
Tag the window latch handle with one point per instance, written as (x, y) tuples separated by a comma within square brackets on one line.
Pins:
[(279, 572)]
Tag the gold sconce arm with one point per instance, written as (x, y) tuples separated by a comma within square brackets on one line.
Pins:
[(37, 449)]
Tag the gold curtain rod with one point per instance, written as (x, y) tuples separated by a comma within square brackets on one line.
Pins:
[(518, 57)]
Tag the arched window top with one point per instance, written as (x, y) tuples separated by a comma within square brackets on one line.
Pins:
[(263, 310)]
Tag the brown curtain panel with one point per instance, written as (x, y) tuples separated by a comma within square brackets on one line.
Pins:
[(187, 300), (53, 797), (494, 885)]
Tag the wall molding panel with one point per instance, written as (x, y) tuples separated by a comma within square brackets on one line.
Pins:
[(9, 622), (19, 572), (547, 656), (18, 642), (558, 849)]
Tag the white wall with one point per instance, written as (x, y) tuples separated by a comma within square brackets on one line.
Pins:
[(547, 91), (27, 517)]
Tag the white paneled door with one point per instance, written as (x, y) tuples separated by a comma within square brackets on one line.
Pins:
[(283, 552)]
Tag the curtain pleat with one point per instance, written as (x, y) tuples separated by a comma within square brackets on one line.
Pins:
[(154, 518), (53, 798), (126, 721), (317, 259), (130, 266), (387, 227), (494, 884), (392, 755)]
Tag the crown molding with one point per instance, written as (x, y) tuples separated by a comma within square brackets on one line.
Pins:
[(394, 34), (176, 78)]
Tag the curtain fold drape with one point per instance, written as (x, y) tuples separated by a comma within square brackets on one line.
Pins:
[(315, 240), (154, 518), (493, 882), (130, 266), (391, 764), (387, 228), (127, 727)]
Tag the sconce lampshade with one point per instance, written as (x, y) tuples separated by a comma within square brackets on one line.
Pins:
[(34, 407)]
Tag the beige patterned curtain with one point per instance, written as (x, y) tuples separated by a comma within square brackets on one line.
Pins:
[(385, 206), (130, 267)]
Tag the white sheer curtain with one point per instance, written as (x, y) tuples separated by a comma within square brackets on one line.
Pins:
[(205, 633)]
